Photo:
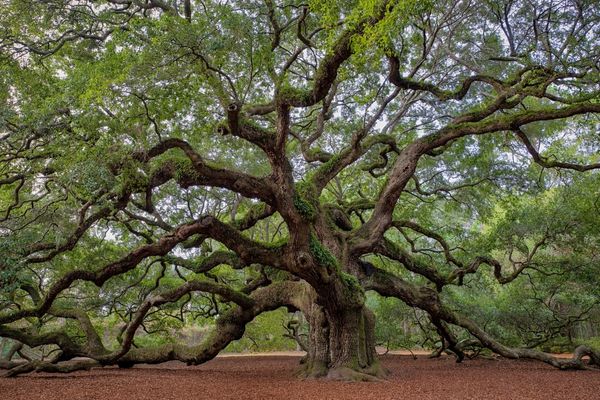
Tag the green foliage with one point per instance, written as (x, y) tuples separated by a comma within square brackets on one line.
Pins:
[(265, 333), (396, 327), (593, 342), (155, 340), (383, 35)]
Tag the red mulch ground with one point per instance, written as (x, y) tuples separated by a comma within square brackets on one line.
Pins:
[(272, 377)]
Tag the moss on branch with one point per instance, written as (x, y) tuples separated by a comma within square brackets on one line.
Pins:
[(305, 200), (322, 255)]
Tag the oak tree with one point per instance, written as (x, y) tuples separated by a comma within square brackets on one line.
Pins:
[(164, 159)]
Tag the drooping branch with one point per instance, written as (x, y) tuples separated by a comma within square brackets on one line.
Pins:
[(495, 264), (84, 224), (547, 163), (392, 251), (445, 190), (518, 266), (576, 362), (431, 234), (457, 94)]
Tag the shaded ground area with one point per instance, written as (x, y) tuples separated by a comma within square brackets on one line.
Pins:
[(272, 377)]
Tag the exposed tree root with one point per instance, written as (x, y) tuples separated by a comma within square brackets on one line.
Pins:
[(312, 370), (374, 372), (350, 375), (377, 370)]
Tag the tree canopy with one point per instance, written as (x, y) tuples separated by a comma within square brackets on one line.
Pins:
[(163, 161)]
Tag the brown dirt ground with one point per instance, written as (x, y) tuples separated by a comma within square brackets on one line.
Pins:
[(272, 377)]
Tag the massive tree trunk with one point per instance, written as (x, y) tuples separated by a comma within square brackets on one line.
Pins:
[(342, 332), (316, 362), (342, 345), (352, 345)]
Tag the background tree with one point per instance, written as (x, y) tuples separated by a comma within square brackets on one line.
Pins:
[(164, 161)]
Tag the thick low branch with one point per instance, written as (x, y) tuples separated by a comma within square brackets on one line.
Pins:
[(34, 339), (576, 362), (428, 300), (46, 366), (244, 301), (229, 326)]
